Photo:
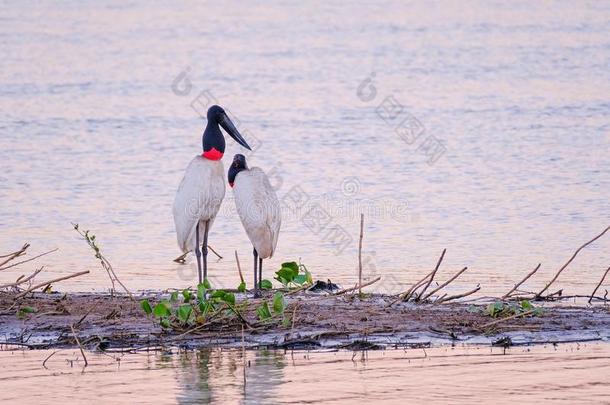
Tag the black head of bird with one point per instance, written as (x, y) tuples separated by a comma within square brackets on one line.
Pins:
[(239, 164), (213, 141)]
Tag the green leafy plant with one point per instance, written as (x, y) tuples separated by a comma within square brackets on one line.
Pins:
[(278, 306), (293, 274), (24, 311), (186, 308), (501, 309)]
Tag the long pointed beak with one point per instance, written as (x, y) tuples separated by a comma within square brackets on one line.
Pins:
[(228, 126)]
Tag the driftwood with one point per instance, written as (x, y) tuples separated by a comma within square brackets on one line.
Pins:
[(422, 297), (24, 261), (22, 280), (55, 280), (531, 273), (438, 264), (80, 346), (455, 297), (508, 318), (445, 284), (546, 287), (599, 284), (359, 287), (241, 276)]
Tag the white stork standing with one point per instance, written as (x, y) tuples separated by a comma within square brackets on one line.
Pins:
[(202, 189), (259, 210)]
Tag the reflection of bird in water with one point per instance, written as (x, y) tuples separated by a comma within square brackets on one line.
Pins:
[(215, 375)]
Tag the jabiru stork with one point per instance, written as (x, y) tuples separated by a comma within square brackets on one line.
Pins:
[(202, 189), (259, 210)]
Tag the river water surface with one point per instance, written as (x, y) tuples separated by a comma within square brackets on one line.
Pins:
[(99, 118), (574, 374), (480, 127)]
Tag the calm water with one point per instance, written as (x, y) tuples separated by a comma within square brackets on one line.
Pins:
[(575, 374), (98, 119)]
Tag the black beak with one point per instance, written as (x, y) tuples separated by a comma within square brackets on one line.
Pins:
[(228, 126)]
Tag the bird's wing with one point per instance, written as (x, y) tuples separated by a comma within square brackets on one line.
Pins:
[(259, 209), (198, 199)]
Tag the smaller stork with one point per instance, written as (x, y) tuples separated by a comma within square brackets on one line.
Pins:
[(259, 210)]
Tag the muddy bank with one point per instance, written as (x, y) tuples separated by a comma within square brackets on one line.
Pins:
[(105, 322)]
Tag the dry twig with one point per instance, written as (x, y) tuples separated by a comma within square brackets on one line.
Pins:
[(25, 261), (55, 280), (445, 284), (215, 252), (570, 261), (523, 280), (358, 287), (22, 280), (455, 297), (497, 321), (80, 346), (438, 264), (599, 284), (241, 276)]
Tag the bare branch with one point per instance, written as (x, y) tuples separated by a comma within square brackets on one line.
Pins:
[(21, 280), (438, 264), (455, 297), (445, 284), (55, 280), (358, 287), (531, 273), (29, 260), (570, 261), (599, 284)]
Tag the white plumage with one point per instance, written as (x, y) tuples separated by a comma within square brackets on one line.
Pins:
[(198, 200), (259, 210)]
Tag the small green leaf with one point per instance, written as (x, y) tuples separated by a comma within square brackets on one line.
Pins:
[(242, 287), (266, 285), (278, 303), (300, 279), (218, 294), (229, 298), (145, 305), (201, 292), (309, 277), (28, 310), (162, 309), (291, 265), (263, 311), (184, 312), (526, 305), (174, 297), (207, 284), (165, 323), (187, 295), (205, 307)]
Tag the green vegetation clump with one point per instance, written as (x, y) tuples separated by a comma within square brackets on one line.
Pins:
[(186, 309), (501, 309)]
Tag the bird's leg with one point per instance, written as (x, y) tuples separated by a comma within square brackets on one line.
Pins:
[(198, 253), (256, 292), (260, 271), (204, 250)]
